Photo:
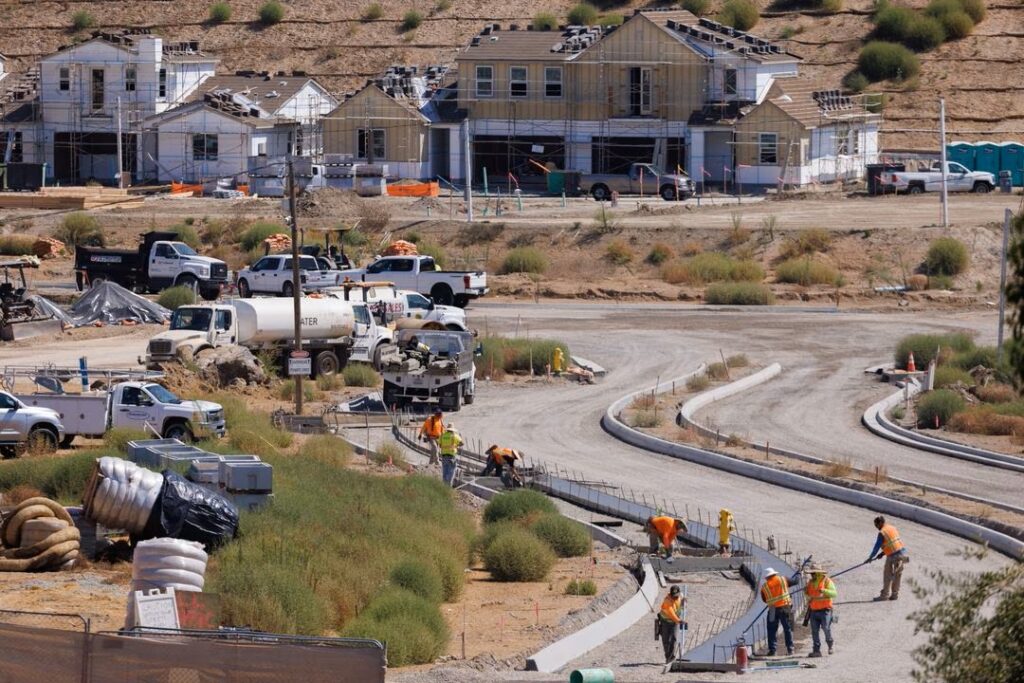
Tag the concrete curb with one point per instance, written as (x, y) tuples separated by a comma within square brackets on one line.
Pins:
[(561, 652), (708, 397), (875, 420), (937, 520)]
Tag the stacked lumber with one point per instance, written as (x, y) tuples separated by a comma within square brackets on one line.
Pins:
[(277, 242), (48, 247)]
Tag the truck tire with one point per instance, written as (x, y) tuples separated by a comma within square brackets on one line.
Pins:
[(452, 400), (981, 187), (96, 281), (41, 439), (243, 289), (600, 192), (442, 295), (467, 398), (461, 300), (390, 395), (67, 441), (187, 280), (209, 293), (80, 281), (668, 193), (326, 364), (375, 357), (287, 290), (179, 431), (915, 189)]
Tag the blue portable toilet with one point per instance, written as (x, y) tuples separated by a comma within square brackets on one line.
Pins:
[(1011, 158), (961, 152), (986, 157)]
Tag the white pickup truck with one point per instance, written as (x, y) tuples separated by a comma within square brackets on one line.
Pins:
[(421, 274), (958, 179), (145, 406), (24, 427), (274, 275), (645, 179)]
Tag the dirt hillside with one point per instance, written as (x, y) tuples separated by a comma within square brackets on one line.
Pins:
[(978, 75)]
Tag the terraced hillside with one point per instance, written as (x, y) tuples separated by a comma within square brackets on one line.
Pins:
[(980, 75)]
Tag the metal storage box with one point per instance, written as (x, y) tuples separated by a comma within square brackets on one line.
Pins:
[(248, 477)]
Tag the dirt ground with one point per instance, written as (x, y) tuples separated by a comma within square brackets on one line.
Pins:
[(98, 592)]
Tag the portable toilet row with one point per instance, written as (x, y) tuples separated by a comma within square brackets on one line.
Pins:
[(992, 157)]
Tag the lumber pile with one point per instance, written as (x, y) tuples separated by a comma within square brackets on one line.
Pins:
[(277, 242), (48, 247), (70, 199)]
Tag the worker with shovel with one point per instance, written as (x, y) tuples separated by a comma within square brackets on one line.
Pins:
[(449, 445), (775, 593), (820, 593), (500, 458), (662, 529), (431, 431), (669, 622), (895, 554)]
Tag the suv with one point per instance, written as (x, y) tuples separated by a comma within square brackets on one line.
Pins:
[(23, 428), (273, 275)]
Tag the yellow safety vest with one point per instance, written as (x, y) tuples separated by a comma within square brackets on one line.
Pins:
[(449, 443)]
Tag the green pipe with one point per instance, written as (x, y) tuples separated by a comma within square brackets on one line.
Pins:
[(592, 676)]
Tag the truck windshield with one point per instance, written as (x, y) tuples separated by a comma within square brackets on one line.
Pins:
[(184, 249), (197, 319), (161, 394)]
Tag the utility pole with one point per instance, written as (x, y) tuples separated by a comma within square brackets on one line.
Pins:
[(120, 151), (942, 152), (1007, 217), (296, 282), (467, 164)]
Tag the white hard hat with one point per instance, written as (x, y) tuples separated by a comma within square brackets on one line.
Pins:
[(769, 572)]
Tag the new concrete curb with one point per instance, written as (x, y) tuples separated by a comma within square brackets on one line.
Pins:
[(561, 652), (937, 520), (875, 420)]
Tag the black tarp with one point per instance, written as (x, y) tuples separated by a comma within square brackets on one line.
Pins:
[(192, 513)]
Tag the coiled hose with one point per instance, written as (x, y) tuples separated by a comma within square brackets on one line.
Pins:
[(54, 539)]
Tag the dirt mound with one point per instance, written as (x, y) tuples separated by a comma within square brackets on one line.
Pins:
[(330, 203)]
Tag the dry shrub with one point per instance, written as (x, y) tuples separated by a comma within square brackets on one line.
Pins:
[(995, 393), (647, 419), (581, 587), (660, 253), (738, 360), (733, 441), (19, 493), (737, 236), (806, 242), (983, 420), (691, 248), (374, 215), (688, 435), (839, 468), (917, 282), (698, 382), (643, 401), (388, 452), (718, 371), (618, 253)]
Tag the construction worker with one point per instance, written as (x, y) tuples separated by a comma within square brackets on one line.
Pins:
[(820, 593), (663, 530), (498, 459), (726, 524), (449, 445), (896, 556), (775, 594), (431, 431), (670, 621)]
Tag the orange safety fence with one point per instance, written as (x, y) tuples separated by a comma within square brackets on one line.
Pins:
[(183, 188), (431, 189)]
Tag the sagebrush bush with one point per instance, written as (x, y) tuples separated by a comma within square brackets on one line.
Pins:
[(995, 393), (16, 245), (936, 408), (524, 260), (271, 13), (740, 14), (411, 20), (924, 346), (718, 371), (583, 14), (973, 356), (647, 418), (855, 81), (82, 20), (173, 297), (618, 253), (806, 272), (659, 253), (946, 256), (373, 12), (80, 229), (925, 33), (880, 61), (711, 267), (947, 375), (360, 375), (544, 21), (220, 12), (413, 628), (518, 555), (253, 237), (187, 234), (566, 537), (581, 587), (517, 505), (419, 578), (806, 242), (697, 7), (329, 382), (514, 355), (738, 294), (975, 9), (698, 382)]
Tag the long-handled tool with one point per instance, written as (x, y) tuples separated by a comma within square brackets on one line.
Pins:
[(803, 564)]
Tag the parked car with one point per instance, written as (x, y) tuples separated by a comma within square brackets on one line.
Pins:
[(421, 274), (958, 179), (640, 179), (25, 427), (273, 275)]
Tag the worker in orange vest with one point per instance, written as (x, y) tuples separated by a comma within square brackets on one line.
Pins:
[(670, 621), (775, 594), (663, 530), (820, 593), (431, 431), (500, 458), (895, 554)]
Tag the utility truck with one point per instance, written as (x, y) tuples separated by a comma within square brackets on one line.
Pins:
[(421, 274), (958, 179), (24, 427), (403, 308), (445, 376), (159, 262), (645, 179), (334, 331)]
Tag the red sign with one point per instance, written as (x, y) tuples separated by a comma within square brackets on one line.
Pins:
[(299, 354)]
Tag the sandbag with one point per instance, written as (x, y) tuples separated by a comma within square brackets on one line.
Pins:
[(190, 512)]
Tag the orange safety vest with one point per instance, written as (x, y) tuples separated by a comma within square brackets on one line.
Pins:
[(891, 542), (670, 609), (820, 593), (433, 427), (503, 456), (775, 592), (666, 528)]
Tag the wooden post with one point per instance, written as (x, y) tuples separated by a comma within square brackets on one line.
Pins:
[(296, 281)]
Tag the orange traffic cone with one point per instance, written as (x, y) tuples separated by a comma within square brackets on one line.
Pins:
[(911, 367)]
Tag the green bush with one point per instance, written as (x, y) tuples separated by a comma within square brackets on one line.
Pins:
[(186, 234), (517, 505), (173, 297), (830, 6), (975, 9), (946, 256), (82, 20), (411, 20), (711, 267), (893, 23), (956, 25), (566, 537), (271, 13), (545, 21), (116, 439), (738, 294), (581, 587), (611, 20), (975, 356), (948, 375), (419, 578), (740, 14), (659, 254), (518, 555), (329, 382), (940, 404), (220, 12), (524, 260), (924, 346), (373, 12), (413, 628), (503, 354), (924, 34), (583, 14), (61, 478), (697, 7), (80, 229), (855, 81), (433, 250), (360, 375), (807, 271), (259, 231), (879, 61), (286, 390), (16, 245)]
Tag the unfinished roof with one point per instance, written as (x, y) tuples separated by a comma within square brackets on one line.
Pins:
[(225, 104), (493, 43), (812, 104), (269, 90), (18, 87), (128, 40), (709, 36)]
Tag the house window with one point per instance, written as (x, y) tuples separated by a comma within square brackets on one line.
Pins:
[(204, 147), (553, 81), (768, 149), (842, 141), (517, 86), (375, 150), (485, 81), (130, 77), (162, 84), (730, 81), (298, 142), (65, 78), (639, 91), (97, 89), (261, 149)]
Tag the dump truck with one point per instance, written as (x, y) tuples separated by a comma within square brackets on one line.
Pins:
[(445, 377), (334, 331), (421, 274), (159, 262), (24, 427), (645, 179)]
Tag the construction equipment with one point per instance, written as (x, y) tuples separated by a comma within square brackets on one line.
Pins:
[(20, 317), (446, 375)]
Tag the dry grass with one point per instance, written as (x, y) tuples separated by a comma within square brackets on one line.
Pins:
[(647, 418), (806, 242), (983, 420), (995, 393), (734, 441), (718, 371), (691, 248), (698, 383), (738, 360), (643, 401), (839, 468)]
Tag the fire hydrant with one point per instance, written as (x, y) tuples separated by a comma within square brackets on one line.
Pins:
[(558, 361), (726, 524)]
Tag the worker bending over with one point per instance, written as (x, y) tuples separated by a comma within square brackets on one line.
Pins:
[(820, 593), (895, 554), (431, 431), (670, 621), (775, 594), (663, 530), (449, 445), (500, 458)]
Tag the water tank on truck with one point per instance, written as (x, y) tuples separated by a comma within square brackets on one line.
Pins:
[(262, 321)]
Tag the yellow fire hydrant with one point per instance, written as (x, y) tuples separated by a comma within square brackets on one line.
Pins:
[(726, 524), (558, 361)]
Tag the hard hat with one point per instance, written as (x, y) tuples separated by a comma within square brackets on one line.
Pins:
[(817, 568), (674, 590), (438, 411), (769, 572)]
